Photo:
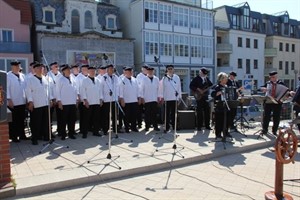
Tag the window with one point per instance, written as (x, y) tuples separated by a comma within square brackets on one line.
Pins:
[(293, 47), (287, 47), (292, 30), (255, 43), (88, 20), (49, 15), (165, 14), (207, 48), (240, 63), (286, 29), (292, 65), (276, 28), (151, 12), (165, 45), (255, 25), (246, 18), (280, 65), (181, 45), (248, 70), (196, 44), (151, 43), (111, 22), (286, 67), (181, 16), (6, 35), (235, 20), (240, 42), (280, 46), (207, 20), (5, 64), (195, 19), (247, 42), (75, 21), (255, 63)]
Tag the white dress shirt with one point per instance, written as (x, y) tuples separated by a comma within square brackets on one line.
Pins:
[(149, 89), (169, 86), (129, 90), (91, 91), (110, 84), (16, 88), (66, 91), (37, 91)]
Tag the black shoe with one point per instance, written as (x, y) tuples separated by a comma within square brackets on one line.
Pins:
[(274, 133), (97, 134), (156, 129), (208, 128), (16, 140), (24, 138), (105, 133), (84, 136), (140, 125), (228, 135), (127, 131), (34, 142), (63, 138), (146, 129), (72, 137), (218, 137), (135, 130), (199, 129)]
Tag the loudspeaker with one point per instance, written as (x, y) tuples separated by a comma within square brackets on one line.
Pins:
[(186, 119), (3, 100)]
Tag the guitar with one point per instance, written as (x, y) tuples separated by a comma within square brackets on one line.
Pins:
[(199, 94)]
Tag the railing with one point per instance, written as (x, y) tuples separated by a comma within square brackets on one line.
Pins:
[(15, 47), (270, 52), (223, 47)]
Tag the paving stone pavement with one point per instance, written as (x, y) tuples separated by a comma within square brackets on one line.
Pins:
[(150, 168)]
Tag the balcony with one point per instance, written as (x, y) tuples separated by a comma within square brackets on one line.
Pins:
[(15, 47), (270, 52), (224, 48)]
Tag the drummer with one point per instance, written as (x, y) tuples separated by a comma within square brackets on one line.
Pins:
[(271, 108), (234, 84)]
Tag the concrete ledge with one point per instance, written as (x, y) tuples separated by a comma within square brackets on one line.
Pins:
[(88, 175), (7, 190)]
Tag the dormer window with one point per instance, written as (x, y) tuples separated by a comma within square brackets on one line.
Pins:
[(49, 15), (246, 17), (111, 22), (88, 20)]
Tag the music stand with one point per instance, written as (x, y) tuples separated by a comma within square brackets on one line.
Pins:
[(262, 100), (243, 102)]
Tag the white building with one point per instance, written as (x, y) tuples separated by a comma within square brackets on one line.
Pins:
[(177, 33)]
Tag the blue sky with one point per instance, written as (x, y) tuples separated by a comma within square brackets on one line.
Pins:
[(266, 6)]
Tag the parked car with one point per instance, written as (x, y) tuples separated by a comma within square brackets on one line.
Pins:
[(250, 113)]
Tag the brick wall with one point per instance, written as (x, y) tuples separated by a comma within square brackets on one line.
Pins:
[(5, 173)]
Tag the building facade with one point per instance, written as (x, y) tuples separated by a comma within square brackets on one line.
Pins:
[(176, 33), (15, 33), (253, 44), (80, 31)]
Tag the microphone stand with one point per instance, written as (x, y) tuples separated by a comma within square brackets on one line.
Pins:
[(51, 140), (174, 147), (113, 97)]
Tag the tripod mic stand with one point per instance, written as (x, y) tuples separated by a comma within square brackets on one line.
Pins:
[(242, 120), (109, 156), (51, 140)]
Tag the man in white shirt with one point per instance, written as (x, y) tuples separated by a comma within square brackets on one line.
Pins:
[(141, 108), (91, 96), (38, 96), (170, 93), (149, 95), (130, 99), (66, 98), (16, 101)]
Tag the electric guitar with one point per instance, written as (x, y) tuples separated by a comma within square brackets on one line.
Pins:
[(199, 94)]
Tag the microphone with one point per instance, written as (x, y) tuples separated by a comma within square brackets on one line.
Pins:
[(105, 57), (156, 59), (41, 54)]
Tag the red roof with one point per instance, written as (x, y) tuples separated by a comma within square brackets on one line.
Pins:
[(24, 7)]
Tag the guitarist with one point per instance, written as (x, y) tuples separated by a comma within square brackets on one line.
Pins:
[(233, 83), (200, 86)]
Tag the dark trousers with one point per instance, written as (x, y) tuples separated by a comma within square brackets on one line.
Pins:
[(106, 113), (58, 113), (170, 112), (151, 114), (232, 117), (140, 112), (91, 114), (40, 123), (203, 113), (276, 110), (81, 115), (221, 126), (68, 119), (130, 115), (16, 126), (121, 118)]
